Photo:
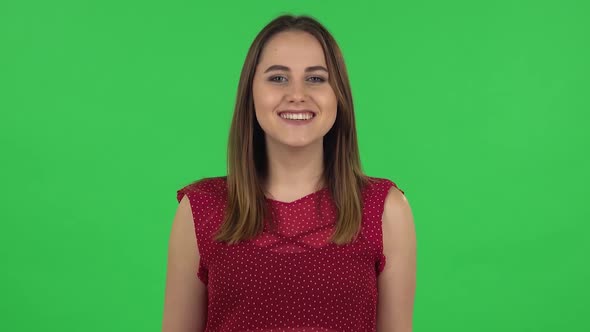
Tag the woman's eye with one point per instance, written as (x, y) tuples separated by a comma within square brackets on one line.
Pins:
[(318, 79), (273, 79)]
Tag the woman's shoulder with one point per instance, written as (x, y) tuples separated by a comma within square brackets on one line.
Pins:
[(209, 187), (380, 184)]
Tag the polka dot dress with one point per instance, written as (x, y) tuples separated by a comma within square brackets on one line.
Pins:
[(291, 278)]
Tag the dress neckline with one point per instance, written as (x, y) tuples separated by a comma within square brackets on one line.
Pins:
[(300, 199)]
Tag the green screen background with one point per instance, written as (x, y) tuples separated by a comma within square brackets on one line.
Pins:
[(478, 110)]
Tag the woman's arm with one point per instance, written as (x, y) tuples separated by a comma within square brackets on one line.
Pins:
[(397, 281), (185, 303)]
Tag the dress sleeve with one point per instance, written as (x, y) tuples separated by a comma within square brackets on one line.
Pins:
[(183, 191)]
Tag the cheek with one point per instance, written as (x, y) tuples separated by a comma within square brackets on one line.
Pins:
[(329, 102), (265, 101)]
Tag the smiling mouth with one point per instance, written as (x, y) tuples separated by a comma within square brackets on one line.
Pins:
[(301, 116)]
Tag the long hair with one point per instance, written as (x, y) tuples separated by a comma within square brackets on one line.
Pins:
[(247, 209)]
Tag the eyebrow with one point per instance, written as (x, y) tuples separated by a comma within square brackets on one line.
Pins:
[(285, 68)]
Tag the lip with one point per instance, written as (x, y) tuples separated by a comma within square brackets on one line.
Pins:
[(298, 111), (297, 122)]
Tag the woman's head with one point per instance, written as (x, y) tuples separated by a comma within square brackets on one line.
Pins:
[(316, 80), (259, 101), (291, 80)]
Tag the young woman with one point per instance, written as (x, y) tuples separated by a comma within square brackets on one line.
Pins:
[(295, 237)]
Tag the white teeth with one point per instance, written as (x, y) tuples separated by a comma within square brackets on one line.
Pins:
[(296, 116)]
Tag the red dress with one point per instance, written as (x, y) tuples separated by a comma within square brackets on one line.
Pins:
[(291, 279)]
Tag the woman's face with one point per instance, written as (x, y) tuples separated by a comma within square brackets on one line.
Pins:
[(290, 85)]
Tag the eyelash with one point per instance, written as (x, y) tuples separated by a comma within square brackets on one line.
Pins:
[(321, 79)]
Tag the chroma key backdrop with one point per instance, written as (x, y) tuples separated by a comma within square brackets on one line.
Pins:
[(479, 110)]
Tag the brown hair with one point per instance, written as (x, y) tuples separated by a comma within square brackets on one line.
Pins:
[(246, 207)]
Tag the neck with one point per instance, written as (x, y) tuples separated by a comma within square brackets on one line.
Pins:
[(294, 170)]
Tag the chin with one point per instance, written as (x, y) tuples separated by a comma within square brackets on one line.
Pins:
[(301, 143), (294, 141)]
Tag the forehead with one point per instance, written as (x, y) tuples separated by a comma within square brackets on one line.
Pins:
[(293, 48)]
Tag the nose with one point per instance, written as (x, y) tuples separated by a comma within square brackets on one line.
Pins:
[(296, 92)]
